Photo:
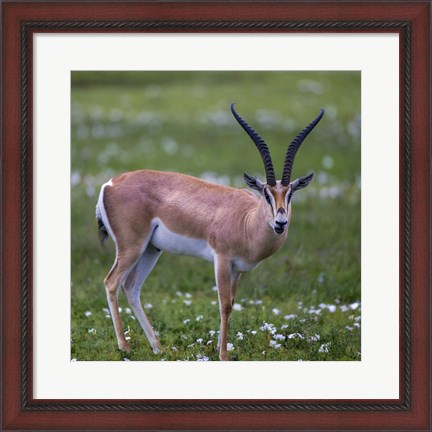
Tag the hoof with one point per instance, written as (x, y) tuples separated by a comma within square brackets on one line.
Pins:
[(223, 357), (157, 349), (124, 347)]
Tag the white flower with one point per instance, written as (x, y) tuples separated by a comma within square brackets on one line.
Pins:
[(257, 302), (253, 332), (74, 359), (200, 357), (187, 302), (120, 310), (212, 333), (209, 342), (276, 311), (191, 345), (200, 340), (107, 316), (344, 308), (327, 162), (356, 324), (349, 328), (184, 337), (87, 313), (279, 337), (214, 302), (354, 306), (230, 346), (186, 321), (127, 338), (214, 289), (268, 327), (148, 306), (237, 307), (331, 308), (291, 316), (315, 338), (188, 295), (179, 293), (92, 330), (284, 326), (274, 344), (106, 310), (295, 335), (199, 318), (240, 336), (132, 317), (128, 311), (324, 348), (174, 348)]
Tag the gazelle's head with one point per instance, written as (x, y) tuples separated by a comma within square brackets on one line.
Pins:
[(277, 194)]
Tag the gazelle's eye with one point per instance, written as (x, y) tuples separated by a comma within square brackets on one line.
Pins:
[(267, 197)]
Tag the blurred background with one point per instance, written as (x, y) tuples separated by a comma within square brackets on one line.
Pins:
[(181, 121)]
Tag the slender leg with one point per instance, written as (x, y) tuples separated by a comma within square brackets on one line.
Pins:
[(235, 276), (132, 289), (122, 267), (223, 282)]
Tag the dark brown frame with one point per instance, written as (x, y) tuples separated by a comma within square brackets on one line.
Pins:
[(411, 20)]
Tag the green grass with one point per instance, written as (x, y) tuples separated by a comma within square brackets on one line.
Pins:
[(181, 121)]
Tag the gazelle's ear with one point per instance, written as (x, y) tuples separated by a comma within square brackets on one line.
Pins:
[(253, 182), (301, 182)]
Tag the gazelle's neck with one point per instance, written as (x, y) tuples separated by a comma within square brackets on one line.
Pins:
[(261, 237)]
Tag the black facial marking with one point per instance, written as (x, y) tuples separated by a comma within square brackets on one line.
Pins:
[(267, 197)]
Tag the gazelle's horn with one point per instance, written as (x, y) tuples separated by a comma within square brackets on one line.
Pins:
[(294, 146), (261, 146)]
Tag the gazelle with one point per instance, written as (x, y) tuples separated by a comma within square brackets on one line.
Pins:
[(147, 212)]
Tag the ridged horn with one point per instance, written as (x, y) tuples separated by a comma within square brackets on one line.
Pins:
[(261, 146), (293, 148)]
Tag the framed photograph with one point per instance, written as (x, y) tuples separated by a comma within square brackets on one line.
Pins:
[(180, 123)]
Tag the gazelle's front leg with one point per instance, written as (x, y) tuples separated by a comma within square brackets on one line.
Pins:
[(223, 282)]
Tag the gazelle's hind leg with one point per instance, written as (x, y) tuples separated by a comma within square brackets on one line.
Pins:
[(125, 262), (132, 289)]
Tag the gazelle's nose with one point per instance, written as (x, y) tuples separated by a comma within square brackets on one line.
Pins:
[(280, 226)]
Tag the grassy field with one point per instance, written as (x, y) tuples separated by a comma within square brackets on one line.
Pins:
[(303, 303)]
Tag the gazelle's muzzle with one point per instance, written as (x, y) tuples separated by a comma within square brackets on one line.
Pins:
[(281, 221)]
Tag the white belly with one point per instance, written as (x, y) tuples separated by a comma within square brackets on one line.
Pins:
[(242, 266), (168, 241)]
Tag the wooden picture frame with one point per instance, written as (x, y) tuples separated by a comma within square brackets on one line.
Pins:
[(21, 20)]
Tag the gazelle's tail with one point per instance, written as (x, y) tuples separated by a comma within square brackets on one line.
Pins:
[(101, 217)]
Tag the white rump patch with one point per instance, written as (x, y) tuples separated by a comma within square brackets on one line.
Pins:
[(100, 210)]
